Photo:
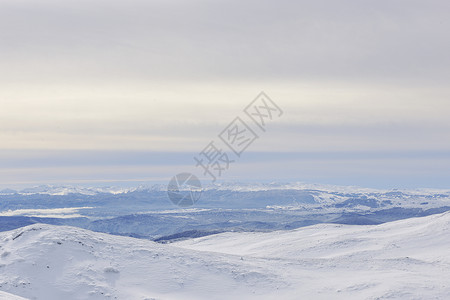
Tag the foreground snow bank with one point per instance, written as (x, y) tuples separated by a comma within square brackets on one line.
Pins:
[(404, 259)]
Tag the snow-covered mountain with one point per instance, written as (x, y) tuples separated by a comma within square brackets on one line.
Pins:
[(406, 259), (117, 201), (223, 186), (146, 212)]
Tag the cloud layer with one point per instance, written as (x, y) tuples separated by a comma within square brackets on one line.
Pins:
[(168, 76)]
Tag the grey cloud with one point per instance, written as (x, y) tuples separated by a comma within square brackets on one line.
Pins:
[(249, 40)]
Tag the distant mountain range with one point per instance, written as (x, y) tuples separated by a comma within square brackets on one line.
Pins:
[(146, 212)]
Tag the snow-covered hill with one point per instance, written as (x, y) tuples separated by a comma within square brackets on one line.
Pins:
[(406, 259), (58, 262)]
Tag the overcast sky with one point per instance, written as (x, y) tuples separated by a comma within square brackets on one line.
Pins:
[(363, 86)]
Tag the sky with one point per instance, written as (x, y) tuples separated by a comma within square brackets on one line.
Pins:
[(126, 92)]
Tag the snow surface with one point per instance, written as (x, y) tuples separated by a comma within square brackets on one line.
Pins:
[(407, 259), (8, 296), (67, 212)]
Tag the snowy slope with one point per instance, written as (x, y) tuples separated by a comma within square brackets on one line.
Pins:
[(8, 296), (407, 259), (333, 240), (52, 262)]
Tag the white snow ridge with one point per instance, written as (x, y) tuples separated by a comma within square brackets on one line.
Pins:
[(406, 259)]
